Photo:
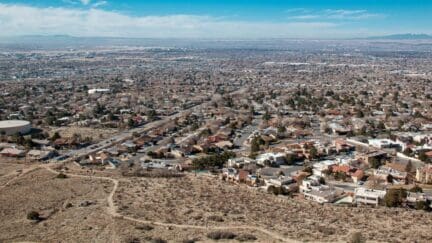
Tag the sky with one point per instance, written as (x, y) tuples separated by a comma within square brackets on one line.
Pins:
[(230, 19)]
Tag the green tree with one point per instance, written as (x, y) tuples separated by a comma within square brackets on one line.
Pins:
[(395, 197), (266, 116), (211, 161), (281, 129), (422, 205), (374, 163), (131, 123), (313, 153), (55, 136), (151, 114), (422, 156), (416, 188), (289, 159), (408, 151), (255, 145)]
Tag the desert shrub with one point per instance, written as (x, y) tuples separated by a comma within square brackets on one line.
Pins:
[(190, 241), (356, 237), (158, 240), (215, 218), (145, 227), (33, 215), (221, 235), (246, 237), (416, 188), (422, 205), (274, 190), (133, 240), (61, 176), (326, 230), (152, 173)]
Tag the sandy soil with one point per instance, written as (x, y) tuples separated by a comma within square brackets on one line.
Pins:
[(76, 209), (209, 201), (94, 133), (97, 207)]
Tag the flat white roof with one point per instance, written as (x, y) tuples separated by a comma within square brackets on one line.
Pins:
[(13, 123), (361, 191)]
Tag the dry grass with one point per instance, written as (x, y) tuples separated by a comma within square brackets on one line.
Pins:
[(74, 210), (96, 134), (208, 201)]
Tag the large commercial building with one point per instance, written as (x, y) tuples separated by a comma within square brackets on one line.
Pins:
[(10, 127)]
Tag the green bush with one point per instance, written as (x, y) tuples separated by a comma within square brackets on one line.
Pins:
[(221, 235), (61, 176), (395, 197), (33, 215), (211, 161), (357, 237), (246, 237)]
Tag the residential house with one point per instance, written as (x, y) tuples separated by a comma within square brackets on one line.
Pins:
[(40, 154), (368, 196), (385, 173), (313, 190), (12, 152), (320, 168), (414, 197), (342, 146), (285, 182), (372, 155), (239, 162), (357, 176), (385, 143), (271, 159), (229, 174)]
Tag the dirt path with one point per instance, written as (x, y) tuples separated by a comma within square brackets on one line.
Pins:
[(112, 210)]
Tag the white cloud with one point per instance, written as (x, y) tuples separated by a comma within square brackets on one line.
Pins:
[(85, 2), (25, 20), (99, 3), (79, 20), (332, 14)]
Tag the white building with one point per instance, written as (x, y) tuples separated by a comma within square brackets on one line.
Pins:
[(384, 172), (313, 190), (11, 127), (413, 197), (239, 162), (280, 181), (94, 91), (368, 196), (271, 158), (385, 143), (319, 168)]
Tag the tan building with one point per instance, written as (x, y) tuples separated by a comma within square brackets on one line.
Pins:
[(424, 174)]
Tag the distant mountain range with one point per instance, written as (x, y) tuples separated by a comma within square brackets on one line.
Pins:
[(408, 36)]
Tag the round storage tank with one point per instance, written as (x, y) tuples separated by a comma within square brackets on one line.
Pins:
[(11, 127)]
